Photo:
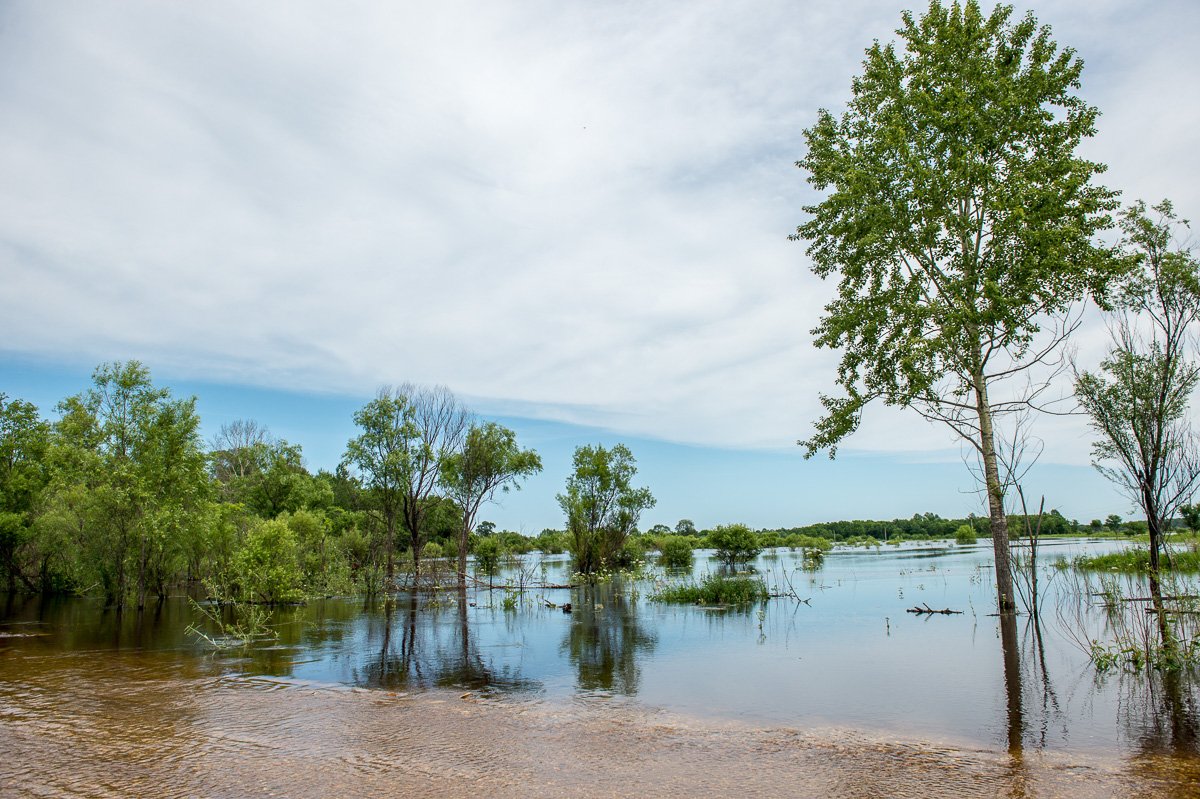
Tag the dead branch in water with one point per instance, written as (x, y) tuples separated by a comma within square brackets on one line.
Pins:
[(927, 610)]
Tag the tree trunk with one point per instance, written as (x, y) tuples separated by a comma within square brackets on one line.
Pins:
[(464, 538), (995, 494), (1152, 525), (390, 548)]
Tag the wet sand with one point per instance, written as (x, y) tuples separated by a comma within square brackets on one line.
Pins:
[(109, 726)]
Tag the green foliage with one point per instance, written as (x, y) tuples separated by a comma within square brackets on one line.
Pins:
[(1137, 560), (1190, 514), (487, 555), (24, 440), (769, 539), (601, 505), (965, 534), (489, 461), (734, 543), (714, 590), (958, 213), (676, 552), (807, 542), (959, 224), (386, 456), (685, 527), (552, 542), (129, 492), (1138, 401), (267, 564), (631, 555)]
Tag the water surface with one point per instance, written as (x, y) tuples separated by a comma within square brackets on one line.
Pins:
[(848, 668)]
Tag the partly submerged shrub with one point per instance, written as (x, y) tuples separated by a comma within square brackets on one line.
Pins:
[(676, 552), (487, 555), (714, 590), (965, 534), (734, 543)]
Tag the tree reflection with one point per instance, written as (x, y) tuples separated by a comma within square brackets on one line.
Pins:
[(424, 642), (605, 638)]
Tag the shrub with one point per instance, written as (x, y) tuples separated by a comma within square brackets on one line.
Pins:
[(965, 534), (808, 542), (267, 564), (769, 540), (715, 590), (676, 552), (431, 551), (734, 543), (487, 555)]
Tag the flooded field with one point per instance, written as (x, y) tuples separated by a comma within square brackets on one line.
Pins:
[(495, 693)]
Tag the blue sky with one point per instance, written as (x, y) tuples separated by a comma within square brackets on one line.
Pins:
[(572, 214)]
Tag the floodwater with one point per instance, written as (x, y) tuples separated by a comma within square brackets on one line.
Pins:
[(844, 694)]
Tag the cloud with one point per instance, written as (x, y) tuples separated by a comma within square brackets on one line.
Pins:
[(575, 209)]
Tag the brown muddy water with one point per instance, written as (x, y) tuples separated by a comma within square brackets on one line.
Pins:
[(846, 696)]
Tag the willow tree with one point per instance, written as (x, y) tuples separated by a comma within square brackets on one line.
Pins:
[(959, 222)]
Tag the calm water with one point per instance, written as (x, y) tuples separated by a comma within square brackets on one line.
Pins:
[(849, 658)]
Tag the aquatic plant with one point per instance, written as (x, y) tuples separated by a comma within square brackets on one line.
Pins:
[(1136, 560), (714, 590)]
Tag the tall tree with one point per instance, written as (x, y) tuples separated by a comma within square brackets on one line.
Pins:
[(489, 461), (959, 222), (130, 468), (408, 432), (441, 423), (601, 505), (380, 455), (1138, 401)]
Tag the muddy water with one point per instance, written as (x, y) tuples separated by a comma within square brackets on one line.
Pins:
[(151, 725), (843, 696)]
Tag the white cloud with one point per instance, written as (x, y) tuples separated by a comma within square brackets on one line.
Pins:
[(575, 209)]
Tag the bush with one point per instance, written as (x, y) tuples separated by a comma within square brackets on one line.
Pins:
[(267, 565), (431, 551), (769, 540), (808, 542), (487, 556), (715, 590), (965, 534), (676, 552), (734, 543), (630, 554)]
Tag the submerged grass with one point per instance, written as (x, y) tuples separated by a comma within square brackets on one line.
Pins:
[(714, 590)]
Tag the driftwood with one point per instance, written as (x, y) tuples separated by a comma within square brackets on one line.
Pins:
[(1164, 599), (926, 610)]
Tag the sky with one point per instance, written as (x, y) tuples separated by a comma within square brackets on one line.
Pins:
[(572, 214)]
